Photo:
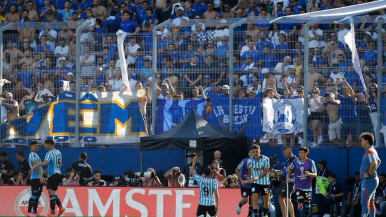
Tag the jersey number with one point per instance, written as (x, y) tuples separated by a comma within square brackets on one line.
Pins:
[(206, 191)]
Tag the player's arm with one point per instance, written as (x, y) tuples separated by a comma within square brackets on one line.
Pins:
[(40, 173), (373, 165), (194, 162), (43, 163), (313, 172), (216, 198), (289, 172), (238, 173)]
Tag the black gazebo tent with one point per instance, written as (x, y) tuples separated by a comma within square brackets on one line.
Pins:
[(195, 133)]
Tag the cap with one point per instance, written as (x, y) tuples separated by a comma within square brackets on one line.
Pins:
[(265, 70), (332, 95), (368, 33), (225, 87), (206, 76), (62, 58), (165, 84), (179, 8), (116, 178), (282, 32), (223, 21), (70, 73), (175, 29), (159, 33), (83, 155), (291, 67), (323, 162), (150, 78), (9, 94)]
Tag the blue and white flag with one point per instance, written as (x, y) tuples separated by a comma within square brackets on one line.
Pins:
[(283, 115), (246, 114), (172, 112)]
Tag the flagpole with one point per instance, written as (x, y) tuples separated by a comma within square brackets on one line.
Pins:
[(379, 83)]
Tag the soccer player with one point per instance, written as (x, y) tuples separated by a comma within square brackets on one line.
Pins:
[(368, 173), (258, 167), (36, 179), (53, 160), (304, 169), (245, 187), (208, 187)]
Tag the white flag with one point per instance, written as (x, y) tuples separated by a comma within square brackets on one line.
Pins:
[(349, 39), (66, 85), (121, 35)]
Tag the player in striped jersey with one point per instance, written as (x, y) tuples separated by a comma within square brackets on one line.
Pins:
[(53, 160), (258, 167), (208, 188), (36, 179), (245, 187), (305, 170)]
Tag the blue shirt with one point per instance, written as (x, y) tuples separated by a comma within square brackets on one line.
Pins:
[(200, 8), (128, 26), (207, 188), (54, 159), (257, 167), (347, 110), (370, 155), (34, 157), (111, 25)]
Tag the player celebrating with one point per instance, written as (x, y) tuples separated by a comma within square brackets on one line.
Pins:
[(36, 179), (245, 187), (304, 169), (209, 198), (258, 167), (54, 161)]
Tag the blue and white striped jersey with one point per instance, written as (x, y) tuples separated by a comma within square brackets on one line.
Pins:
[(256, 167), (54, 158), (207, 187), (34, 157)]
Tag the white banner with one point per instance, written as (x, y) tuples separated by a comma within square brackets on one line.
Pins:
[(105, 118), (121, 35), (283, 116)]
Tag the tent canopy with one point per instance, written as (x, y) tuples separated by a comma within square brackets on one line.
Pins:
[(333, 14), (193, 130), (196, 134)]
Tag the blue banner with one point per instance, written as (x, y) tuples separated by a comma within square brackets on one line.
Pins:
[(172, 112), (246, 114)]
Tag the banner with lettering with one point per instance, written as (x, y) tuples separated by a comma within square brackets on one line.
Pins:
[(106, 118), (246, 114), (119, 201), (172, 112), (283, 115)]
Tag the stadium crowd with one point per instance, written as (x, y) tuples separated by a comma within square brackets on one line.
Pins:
[(192, 53)]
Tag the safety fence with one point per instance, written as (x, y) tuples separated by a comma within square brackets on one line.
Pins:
[(247, 76)]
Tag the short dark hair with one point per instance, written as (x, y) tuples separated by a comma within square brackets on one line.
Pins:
[(356, 173), (83, 155), (3, 154), (332, 175), (49, 141), (97, 171), (20, 153), (369, 137), (304, 148), (207, 171), (383, 175), (255, 147), (34, 142)]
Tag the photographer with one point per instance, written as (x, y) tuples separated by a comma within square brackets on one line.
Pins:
[(6, 168), (231, 181), (82, 168), (175, 178), (96, 180), (151, 182), (116, 181), (217, 173), (71, 178)]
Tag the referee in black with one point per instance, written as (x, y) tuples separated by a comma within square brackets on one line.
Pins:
[(83, 168)]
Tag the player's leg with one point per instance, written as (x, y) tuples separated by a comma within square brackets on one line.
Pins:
[(61, 210), (200, 211), (36, 190), (255, 199), (244, 200), (265, 196), (307, 203), (367, 196), (212, 211)]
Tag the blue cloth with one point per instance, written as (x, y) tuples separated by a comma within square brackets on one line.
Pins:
[(111, 25), (128, 26), (200, 8)]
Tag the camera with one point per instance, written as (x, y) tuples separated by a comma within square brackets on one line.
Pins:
[(148, 175), (176, 172), (130, 178), (212, 167)]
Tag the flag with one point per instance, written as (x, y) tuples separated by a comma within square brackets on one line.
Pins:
[(121, 35), (66, 85), (349, 39), (283, 116)]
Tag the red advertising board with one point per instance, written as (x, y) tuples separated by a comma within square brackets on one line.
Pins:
[(122, 201)]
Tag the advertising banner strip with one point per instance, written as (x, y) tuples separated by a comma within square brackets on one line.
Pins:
[(119, 201)]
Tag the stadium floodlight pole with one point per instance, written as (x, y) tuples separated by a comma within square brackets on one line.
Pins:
[(305, 64), (2, 29), (379, 83), (77, 80), (154, 77), (231, 69)]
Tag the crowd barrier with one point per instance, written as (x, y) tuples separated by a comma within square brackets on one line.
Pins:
[(119, 201)]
